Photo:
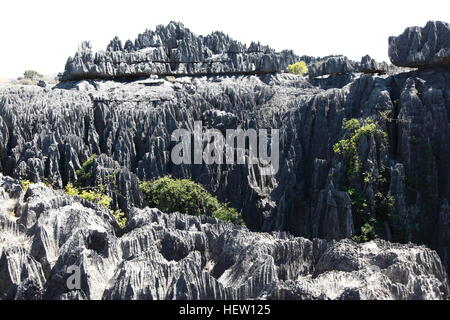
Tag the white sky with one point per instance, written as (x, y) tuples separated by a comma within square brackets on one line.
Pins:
[(42, 34)]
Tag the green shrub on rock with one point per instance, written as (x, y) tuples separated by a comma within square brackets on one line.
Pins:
[(25, 184), (367, 232), (84, 173), (89, 195), (99, 198), (298, 68), (185, 196), (349, 146)]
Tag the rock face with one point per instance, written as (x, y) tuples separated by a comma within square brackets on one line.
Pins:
[(162, 256), (331, 66), (175, 50), (370, 65), (339, 71), (422, 47), (47, 134), (339, 65), (399, 187)]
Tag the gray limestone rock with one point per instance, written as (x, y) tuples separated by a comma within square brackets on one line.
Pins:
[(175, 256), (423, 47), (402, 185), (175, 50), (130, 124)]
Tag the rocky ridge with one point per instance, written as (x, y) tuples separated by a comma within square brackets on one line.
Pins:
[(403, 182), (338, 65), (426, 47), (175, 50)]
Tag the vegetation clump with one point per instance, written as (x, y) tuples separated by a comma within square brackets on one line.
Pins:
[(80, 188), (171, 79), (25, 184), (120, 217), (367, 232), (349, 146), (84, 173), (30, 77), (98, 197), (89, 195), (298, 68), (185, 196)]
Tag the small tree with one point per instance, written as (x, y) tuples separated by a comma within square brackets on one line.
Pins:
[(32, 75), (298, 68), (185, 196)]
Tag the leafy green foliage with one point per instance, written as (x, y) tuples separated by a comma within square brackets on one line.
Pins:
[(349, 146), (25, 184), (367, 232), (84, 174), (385, 204), (96, 194), (359, 202), (31, 74), (188, 197), (97, 197), (89, 195), (298, 68), (120, 217)]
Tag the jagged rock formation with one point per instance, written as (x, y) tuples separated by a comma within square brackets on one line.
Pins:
[(175, 50), (338, 71), (331, 66), (402, 183), (370, 65), (338, 65), (47, 134), (422, 47), (44, 234)]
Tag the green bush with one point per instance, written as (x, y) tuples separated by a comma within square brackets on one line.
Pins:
[(171, 79), (29, 78), (185, 196), (120, 217), (349, 146), (299, 68), (97, 197), (25, 184), (89, 195), (367, 232), (32, 75), (84, 174)]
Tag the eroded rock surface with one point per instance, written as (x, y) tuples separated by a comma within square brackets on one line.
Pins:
[(419, 47), (174, 256), (401, 186), (175, 50), (48, 133)]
